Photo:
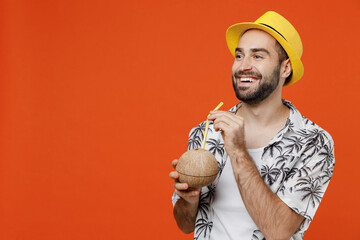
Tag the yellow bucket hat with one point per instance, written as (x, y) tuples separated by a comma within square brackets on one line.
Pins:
[(282, 30)]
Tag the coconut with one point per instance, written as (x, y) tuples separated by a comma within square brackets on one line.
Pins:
[(197, 167)]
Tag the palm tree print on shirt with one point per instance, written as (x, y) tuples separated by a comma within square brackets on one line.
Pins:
[(297, 165), (311, 191)]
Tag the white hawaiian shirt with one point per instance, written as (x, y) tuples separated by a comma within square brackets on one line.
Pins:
[(297, 165)]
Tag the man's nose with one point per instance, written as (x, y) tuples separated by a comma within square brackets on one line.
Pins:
[(245, 64)]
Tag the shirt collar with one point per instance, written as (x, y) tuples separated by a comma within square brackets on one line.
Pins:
[(293, 122)]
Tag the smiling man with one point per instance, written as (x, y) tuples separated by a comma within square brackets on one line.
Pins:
[(274, 164)]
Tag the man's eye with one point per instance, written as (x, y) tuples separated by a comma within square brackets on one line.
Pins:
[(257, 57), (238, 56)]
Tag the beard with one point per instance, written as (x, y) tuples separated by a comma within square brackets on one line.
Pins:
[(266, 86)]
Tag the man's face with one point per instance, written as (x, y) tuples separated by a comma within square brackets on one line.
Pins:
[(256, 69)]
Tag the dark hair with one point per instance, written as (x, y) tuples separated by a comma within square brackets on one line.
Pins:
[(282, 57)]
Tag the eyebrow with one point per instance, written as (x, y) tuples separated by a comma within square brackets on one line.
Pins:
[(254, 50)]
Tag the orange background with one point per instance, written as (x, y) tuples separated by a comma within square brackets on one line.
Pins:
[(97, 97)]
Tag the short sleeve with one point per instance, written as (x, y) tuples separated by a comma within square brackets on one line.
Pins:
[(307, 182)]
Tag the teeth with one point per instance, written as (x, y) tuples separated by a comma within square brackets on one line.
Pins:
[(246, 80)]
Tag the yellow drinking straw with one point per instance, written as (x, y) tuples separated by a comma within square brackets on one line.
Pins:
[(207, 125)]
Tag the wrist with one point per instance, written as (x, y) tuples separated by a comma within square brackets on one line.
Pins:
[(243, 166), (190, 202), (239, 155)]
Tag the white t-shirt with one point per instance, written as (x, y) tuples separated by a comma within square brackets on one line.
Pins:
[(231, 219)]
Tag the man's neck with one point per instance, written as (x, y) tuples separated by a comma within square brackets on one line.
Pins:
[(263, 121), (264, 114)]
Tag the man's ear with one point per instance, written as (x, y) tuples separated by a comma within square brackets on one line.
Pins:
[(286, 68)]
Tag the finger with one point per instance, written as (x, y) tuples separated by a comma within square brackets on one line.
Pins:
[(174, 175), (226, 116), (217, 111), (228, 119), (220, 112), (187, 194), (181, 186), (214, 114), (219, 123), (223, 126), (174, 163), (224, 119)]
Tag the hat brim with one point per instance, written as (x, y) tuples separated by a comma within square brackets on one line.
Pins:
[(234, 32)]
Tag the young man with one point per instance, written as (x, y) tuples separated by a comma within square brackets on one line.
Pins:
[(274, 164)]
